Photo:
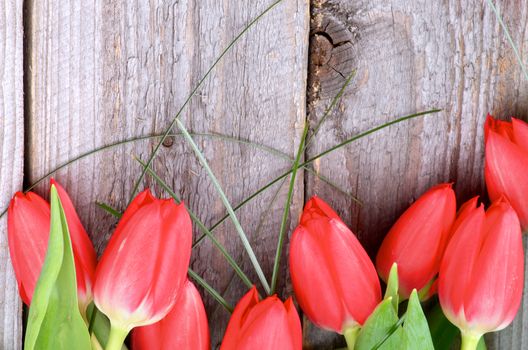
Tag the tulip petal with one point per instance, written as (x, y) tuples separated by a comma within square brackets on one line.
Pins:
[(505, 172), (459, 262), (28, 231), (311, 268), (185, 327), (142, 199), (144, 265), (495, 291), (237, 318), (316, 208), (501, 127), (326, 256), (265, 325), (520, 133), (417, 240), (295, 330)]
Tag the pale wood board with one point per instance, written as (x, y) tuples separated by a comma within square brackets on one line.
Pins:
[(109, 70), (411, 56), (11, 160), (103, 71)]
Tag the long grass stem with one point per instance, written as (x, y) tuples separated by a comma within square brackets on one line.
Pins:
[(229, 208)]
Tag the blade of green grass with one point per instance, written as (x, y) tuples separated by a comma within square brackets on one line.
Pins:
[(231, 212), (368, 132), (202, 227), (109, 209), (307, 162), (329, 109), (286, 212), (226, 138), (195, 89), (510, 40), (333, 185), (210, 290), (264, 214)]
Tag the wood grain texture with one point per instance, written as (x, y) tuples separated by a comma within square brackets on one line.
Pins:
[(106, 70), (411, 56), (11, 160)]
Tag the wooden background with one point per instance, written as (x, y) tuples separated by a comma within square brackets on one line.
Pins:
[(91, 73)]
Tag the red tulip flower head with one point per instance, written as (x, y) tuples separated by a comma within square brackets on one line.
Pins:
[(145, 263), (185, 326), (28, 227), (418, 239), (333, 278), (481, 276), (269, 324), (506, 163)]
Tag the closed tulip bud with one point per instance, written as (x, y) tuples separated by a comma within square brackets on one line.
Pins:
[(144, 266), (269, 324), (333, 278), (506, 163), (481, 276), (28, 227), (184, 327), (418, 239)]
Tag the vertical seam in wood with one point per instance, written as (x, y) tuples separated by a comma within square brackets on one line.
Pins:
[(27, 9)]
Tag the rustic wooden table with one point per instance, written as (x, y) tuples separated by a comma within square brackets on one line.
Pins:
[(87, 74)]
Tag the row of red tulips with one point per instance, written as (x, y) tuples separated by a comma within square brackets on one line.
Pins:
[(473, 260)]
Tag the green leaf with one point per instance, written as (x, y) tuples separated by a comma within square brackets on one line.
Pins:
[(443, 332), (378, 326), (482, 344), (415, 327), (55, 321), (393, 286)]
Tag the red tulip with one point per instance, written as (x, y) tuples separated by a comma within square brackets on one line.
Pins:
[(506, 163), (185, 327), (145, 263), (418, 239), (333, 278), (481, 276), (28, 231), (266, 325)]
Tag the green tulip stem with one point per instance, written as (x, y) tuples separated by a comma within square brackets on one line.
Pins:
[(351, 334), (470, 341), (116, 338)]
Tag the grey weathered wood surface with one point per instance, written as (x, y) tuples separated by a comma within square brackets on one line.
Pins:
[(104, 71), (11, 160), (411, 56)]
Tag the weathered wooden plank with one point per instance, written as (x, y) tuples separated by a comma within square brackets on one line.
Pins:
[(106, 70), (11, 160), (411, 56)]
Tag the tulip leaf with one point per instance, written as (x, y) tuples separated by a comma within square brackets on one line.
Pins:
[(54, 321), (376, 332), (415, 327), (443, 332), (482, 344), (393, 286)]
